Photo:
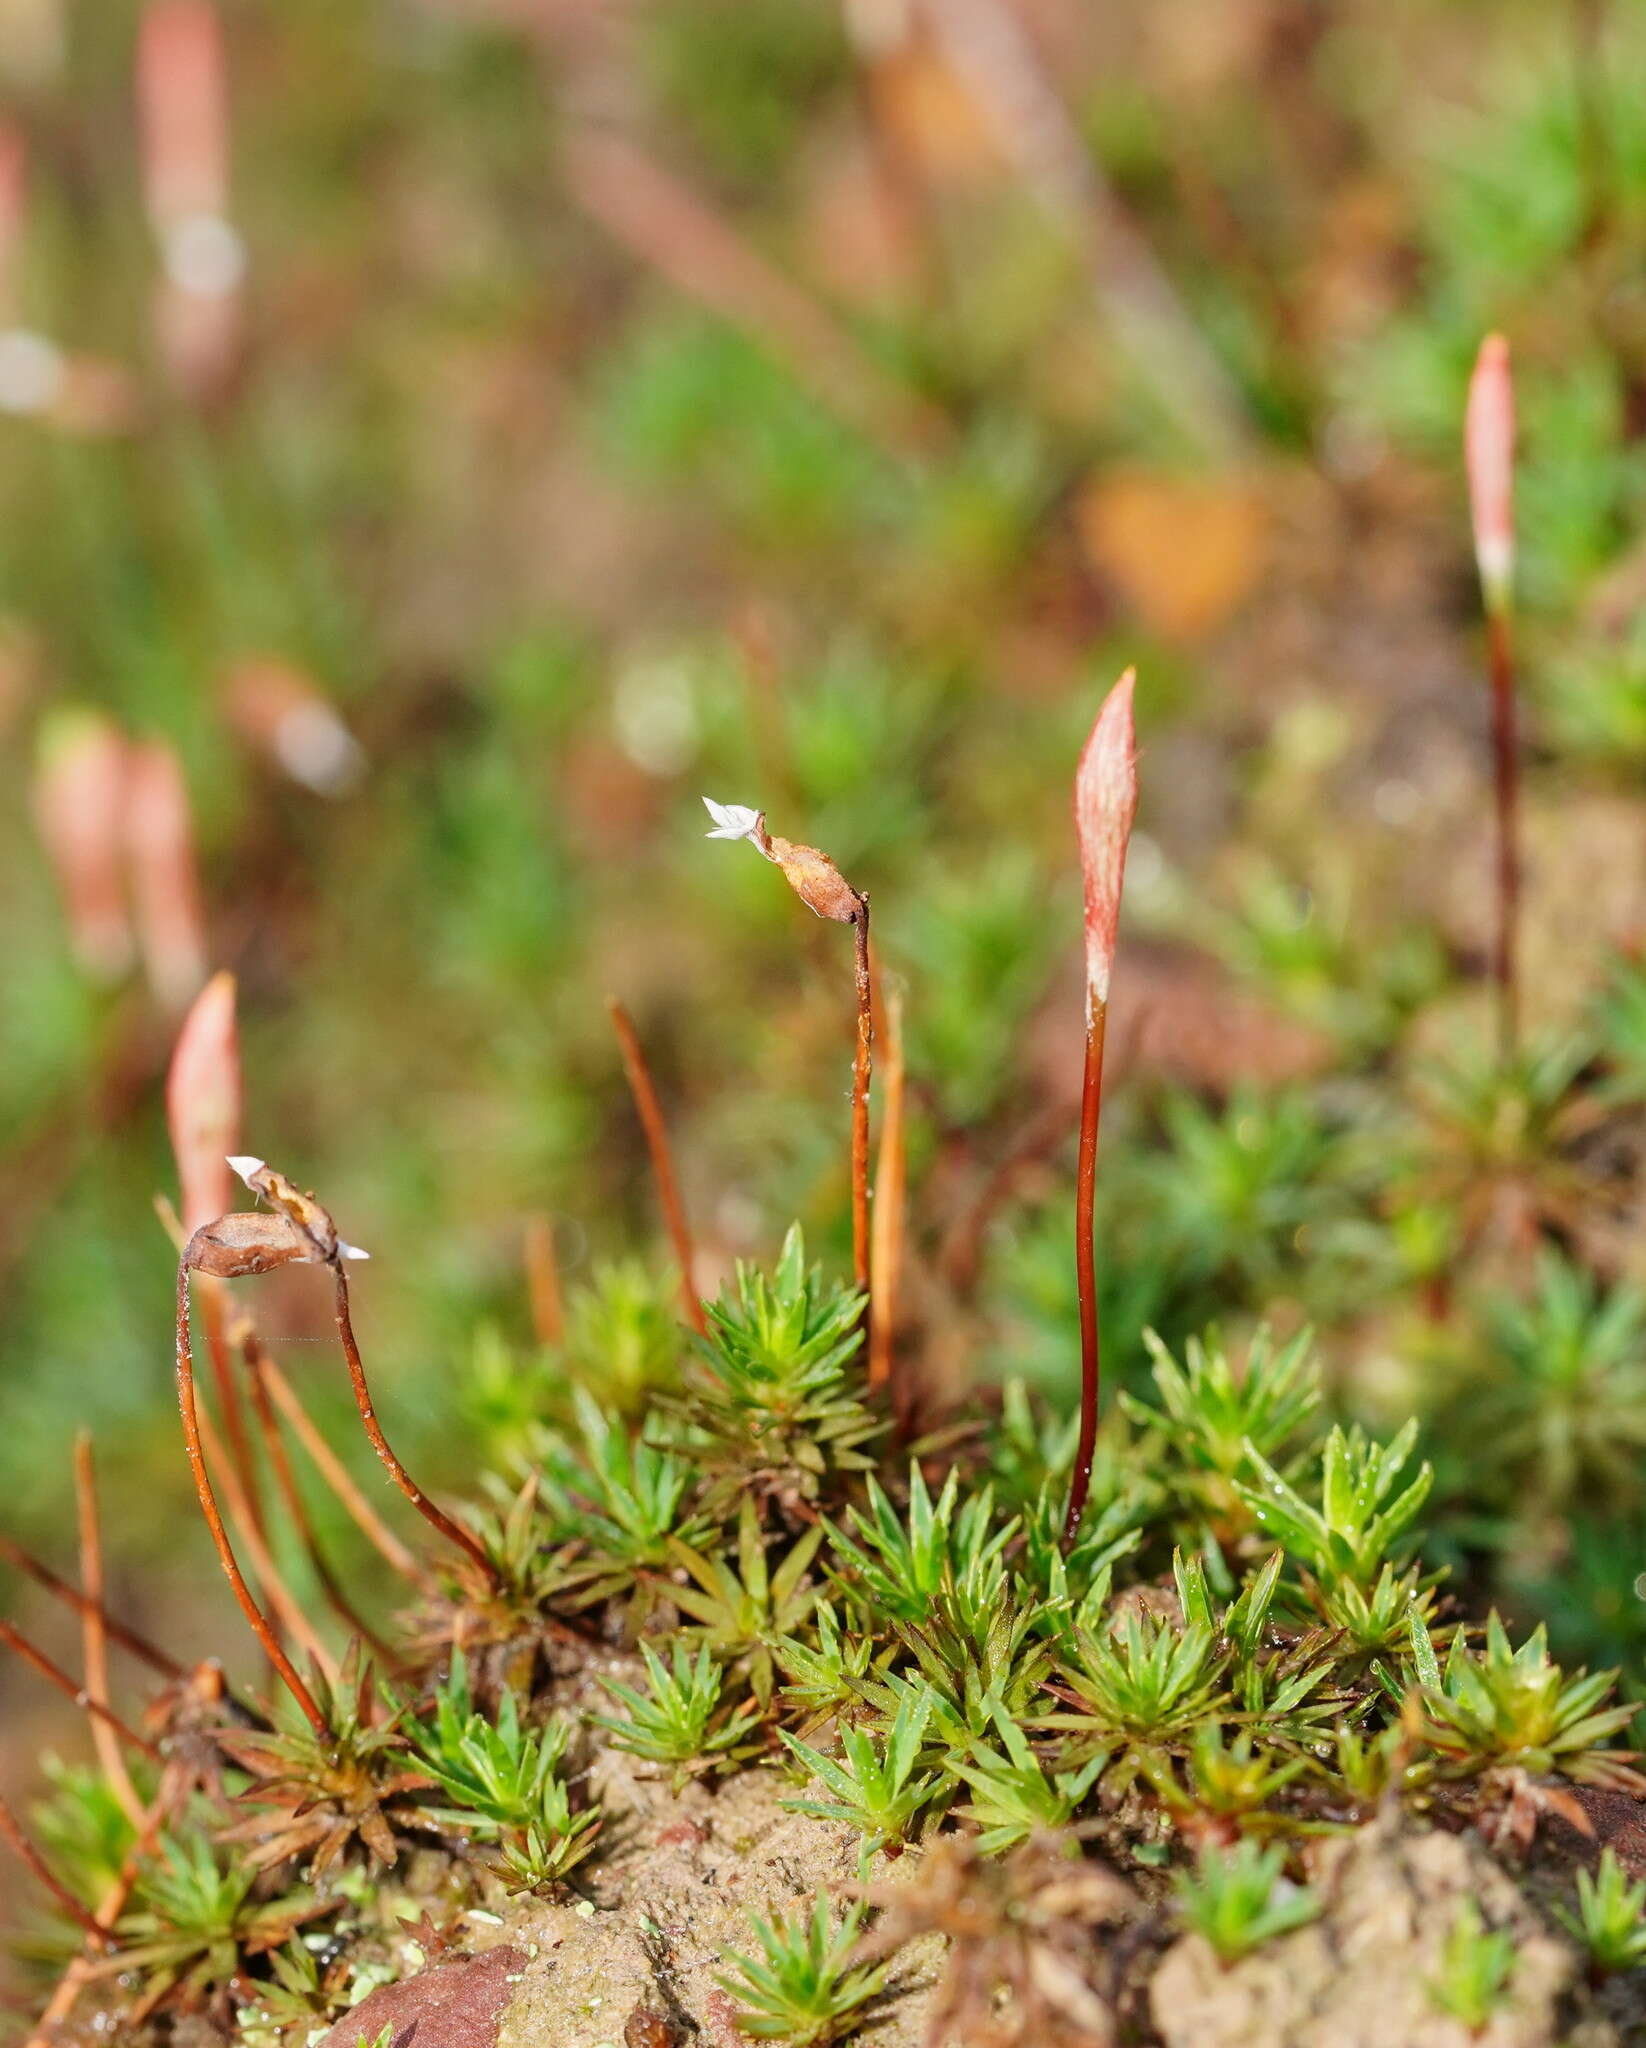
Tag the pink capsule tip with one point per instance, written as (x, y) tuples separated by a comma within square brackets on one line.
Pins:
[(1488, 456), (203, 1102), (1105, 805), (165, 880)]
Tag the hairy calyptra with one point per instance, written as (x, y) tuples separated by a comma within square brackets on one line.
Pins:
[(1105, 805)]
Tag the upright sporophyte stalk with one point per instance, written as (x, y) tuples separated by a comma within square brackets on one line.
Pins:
[(315, 1227), (78, 797), (94, 1649), (644, 1091), (543, 1280), (13, 1639), (203, 1101), (1105, 805), (890, 1181), (234, 1246), (183, 132), (285, 1480), (1488, 449), (821, 886), (14, 1555)]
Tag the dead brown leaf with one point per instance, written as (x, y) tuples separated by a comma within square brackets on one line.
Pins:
[(1182, 552)]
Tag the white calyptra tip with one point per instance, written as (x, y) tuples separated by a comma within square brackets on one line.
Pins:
[(1488, 458), (317, 749), (734, 821), (204, 255), (351, 1251), (1105, 804), (244, 1165)]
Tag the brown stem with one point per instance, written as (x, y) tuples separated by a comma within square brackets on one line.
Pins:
[(1506, 789), (77, 1911), (337, 1476), (93, 1637), (1091, 1102), (889, 1182), (436, 1519), (288, 1612), (229, 1405), (657, 1144), (543, 1281), (286, 1481), (16, 1556), (861, 1065), (214, 1521), (54, 1674)]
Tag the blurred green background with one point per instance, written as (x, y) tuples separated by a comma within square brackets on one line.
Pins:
[(813, 403)]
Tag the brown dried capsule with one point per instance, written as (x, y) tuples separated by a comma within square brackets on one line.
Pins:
[(309, 1216), (811, 874), (247, 1242), (821, 886), (816, 880)]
